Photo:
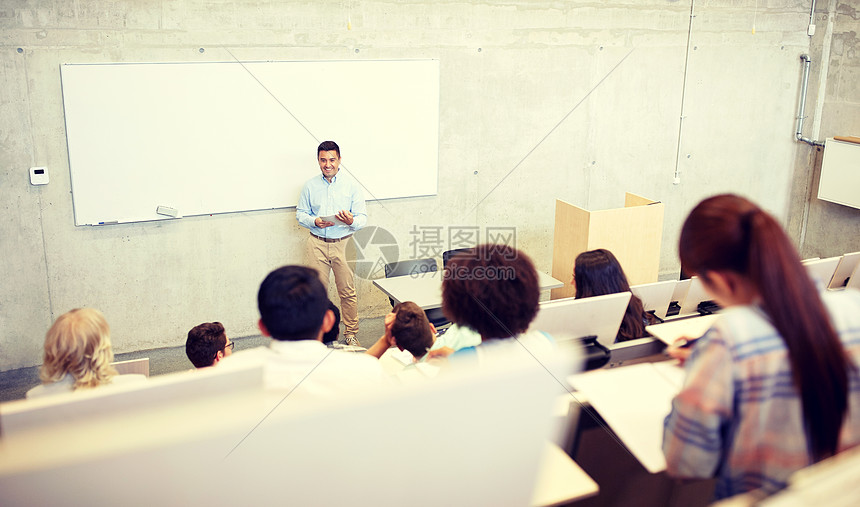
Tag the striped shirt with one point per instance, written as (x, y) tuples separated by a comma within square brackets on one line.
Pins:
[(739, 417)]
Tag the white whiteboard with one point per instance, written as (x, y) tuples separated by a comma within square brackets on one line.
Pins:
[(220, 137), (840, 173)]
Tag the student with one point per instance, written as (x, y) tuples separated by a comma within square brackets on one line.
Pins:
[(411, 331), (77, 355), (207, 344), (294, 312), (456, 337), (493, 290), (598, 272), (773, 387)]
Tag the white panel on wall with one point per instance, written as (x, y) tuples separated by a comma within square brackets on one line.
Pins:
[(220, 137), (840, 173)]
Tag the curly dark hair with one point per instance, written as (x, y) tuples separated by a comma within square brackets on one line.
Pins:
[(492, 289)]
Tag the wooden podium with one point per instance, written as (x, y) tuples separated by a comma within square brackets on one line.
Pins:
[(633, 234)]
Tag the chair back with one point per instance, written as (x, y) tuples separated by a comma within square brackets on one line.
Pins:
[(140, 366), (409, 267), (447, 254)]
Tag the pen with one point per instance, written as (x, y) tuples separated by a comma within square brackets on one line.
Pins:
[(685, 343)]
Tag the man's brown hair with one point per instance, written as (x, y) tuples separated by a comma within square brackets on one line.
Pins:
[(411, 329)]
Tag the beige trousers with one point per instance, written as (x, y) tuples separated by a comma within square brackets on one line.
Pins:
[(326, 257)]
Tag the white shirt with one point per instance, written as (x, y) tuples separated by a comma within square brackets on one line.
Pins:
[(532, 348), (457, 337), (312, 369), (529, 346)]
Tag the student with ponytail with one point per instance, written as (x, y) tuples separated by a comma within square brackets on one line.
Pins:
[(773, 387)]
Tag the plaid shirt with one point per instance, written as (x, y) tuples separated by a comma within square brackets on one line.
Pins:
[(738, 416)]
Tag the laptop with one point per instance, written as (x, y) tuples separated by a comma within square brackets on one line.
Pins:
[(570, 318), (847, 266), (854, 280), (655, 296), (678, 295), (821, 270), (695, 296)]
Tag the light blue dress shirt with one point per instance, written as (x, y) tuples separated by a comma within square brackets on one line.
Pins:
[(319, 198)]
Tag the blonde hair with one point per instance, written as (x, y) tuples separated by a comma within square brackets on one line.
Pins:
[(78, 344)]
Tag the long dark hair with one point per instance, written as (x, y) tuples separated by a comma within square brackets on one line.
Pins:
[(730, 233), (598, 272)]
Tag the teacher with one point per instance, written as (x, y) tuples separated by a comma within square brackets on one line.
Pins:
[(332, 207)]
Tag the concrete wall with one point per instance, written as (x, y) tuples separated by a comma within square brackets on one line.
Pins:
[(539, 100), (824, 229)]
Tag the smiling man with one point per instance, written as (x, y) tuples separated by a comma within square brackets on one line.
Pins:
[(332, 207)]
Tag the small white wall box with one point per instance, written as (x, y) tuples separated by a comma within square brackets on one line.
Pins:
[(840, 179), (39, 175)]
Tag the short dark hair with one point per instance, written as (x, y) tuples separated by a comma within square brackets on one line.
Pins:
[(292, 303), (332, 333), (411, 329), (492, 289), (204, 342), (328, 146)]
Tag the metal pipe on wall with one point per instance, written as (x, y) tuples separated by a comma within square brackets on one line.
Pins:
[(811, 29), (798, 135), (800, 112)]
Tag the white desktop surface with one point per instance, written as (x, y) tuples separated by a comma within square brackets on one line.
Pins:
[(425, 289), (494, 457), (691, 327), (561, 480), (634, 400)]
